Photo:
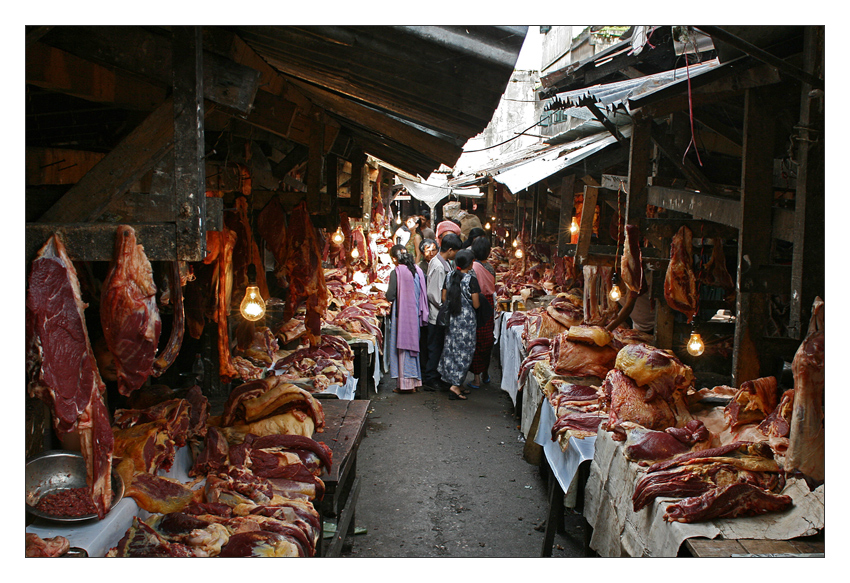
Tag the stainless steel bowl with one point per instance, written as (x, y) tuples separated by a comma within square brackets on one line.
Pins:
[(52, 471)]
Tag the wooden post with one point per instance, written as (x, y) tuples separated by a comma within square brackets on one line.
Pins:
[(367, 193), (567, 202), (754, 233), (490, 200), (588, 209), (315, 158), (807, 262), (639, 159), (189, 168), (331, 183)]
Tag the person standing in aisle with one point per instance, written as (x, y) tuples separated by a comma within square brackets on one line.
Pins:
[(425, 226), (444, 227), (412, 245), (406, 290), (461, 293), (437, 270), (484, 341), (428, 247)]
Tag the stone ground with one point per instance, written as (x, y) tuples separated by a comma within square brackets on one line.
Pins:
[(444, 478)]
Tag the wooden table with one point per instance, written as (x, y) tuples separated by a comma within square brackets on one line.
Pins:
[(702, 547), (345, 425), (360, 348)]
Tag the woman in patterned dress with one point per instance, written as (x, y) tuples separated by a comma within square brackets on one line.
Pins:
[(461, 293)]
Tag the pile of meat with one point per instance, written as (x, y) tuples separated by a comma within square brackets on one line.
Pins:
[(260, 470), (316, 367), (538, 270), (579, 409)]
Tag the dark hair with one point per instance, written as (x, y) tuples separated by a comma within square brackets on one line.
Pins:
[(426, 214), (455, 221), (424, 243), (450, 241), (399, 252), (474, 234), (463, 259), (481, 248)]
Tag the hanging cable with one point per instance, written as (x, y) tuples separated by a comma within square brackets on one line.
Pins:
[(510, 139)]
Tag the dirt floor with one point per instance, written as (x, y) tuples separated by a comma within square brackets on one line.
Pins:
[(443, 478)]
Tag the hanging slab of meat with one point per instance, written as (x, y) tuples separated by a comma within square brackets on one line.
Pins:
[(128, 312), (62, 365), (599, 308), (271, 225), (714, 273), (245, 251), (581, 360), (589, 335), (752, 402), (659, 370), (680, 284), (303, 271), (730, 501), (627, 402), (631, 264), (227, 372), (806, 438), (175, 341), (643, 445), (201, 295)]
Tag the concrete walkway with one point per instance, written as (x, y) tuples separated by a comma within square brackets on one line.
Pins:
[(444, 478)]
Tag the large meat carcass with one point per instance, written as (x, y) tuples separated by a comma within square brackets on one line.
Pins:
[(61, 367), (680, 283)]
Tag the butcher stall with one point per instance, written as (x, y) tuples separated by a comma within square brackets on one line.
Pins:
[(661, 323), (207, 256)]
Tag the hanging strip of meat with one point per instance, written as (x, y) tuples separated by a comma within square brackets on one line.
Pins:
[(631, 266), (178, 326), (303, 270), (128, 312), (227, 372), (271, 225), (245, 251), (680, 284), (715, 273), (806, 447), (63, 367)]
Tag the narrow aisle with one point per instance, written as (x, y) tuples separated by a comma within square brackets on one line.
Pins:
[(444, 478)]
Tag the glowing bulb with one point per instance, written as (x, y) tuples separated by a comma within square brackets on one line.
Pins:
[(338, 237), (355, 253), (518, 253), (487, 226), (573, 226), (515, 243), (398, 220), (695, 345), (615, 293), (252, 307)]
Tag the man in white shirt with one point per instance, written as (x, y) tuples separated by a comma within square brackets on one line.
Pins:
[(437, 270)]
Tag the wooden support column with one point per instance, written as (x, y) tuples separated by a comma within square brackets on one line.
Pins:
[(807, 263), (588, 209), (189, 169), (358, 158), (331, 183), (567, 202), (639, 160), (491, 200), (315, 159), (754, 234)]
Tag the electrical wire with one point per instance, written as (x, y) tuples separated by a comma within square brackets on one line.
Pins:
[(509, 139)]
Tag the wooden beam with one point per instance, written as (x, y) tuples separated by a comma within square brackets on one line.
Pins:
[(34, 34), (132, 158), (56, 70), (331, 183), (189, 169), (315, 160), (639, 161), (684, 165), (58, 165), (762, 55), (96, 241), (808, 257), (752, 308), (141, 52), (719, 209)]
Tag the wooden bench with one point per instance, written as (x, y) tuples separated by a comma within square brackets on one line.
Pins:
[(345, 425), (701, 547)]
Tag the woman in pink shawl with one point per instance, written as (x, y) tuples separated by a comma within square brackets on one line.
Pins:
[(484, 339), (406, 291)]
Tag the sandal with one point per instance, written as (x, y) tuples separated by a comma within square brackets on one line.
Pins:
[(471, 386), (456, 396)]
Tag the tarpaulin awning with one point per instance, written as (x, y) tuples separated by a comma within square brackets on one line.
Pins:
[(431, 194)]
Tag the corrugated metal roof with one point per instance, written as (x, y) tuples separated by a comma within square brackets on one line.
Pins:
[(445, 81)]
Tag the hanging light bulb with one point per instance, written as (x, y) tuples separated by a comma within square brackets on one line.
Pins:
[(355, 253), (573, 226), (338, 237), (695, 344), (515, 243), (615, 294), (518, 253), (487, 226), (398, 220), (252, 307)]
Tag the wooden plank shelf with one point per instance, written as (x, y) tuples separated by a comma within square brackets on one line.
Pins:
[(701, 547)]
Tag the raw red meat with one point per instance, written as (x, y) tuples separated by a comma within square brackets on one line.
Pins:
[(128, 312), (599, 308), (714, 272), (730, 501), (178, 326), (647, 444), (303, 270), (778, 423), (680, 284), (576, 359), (752, 402), (141, 540), (628, 402), (62, 365), (245, 251), (806, 448), (658, 370), (47, 547), (582, 422), (631, 266), (227, 372), (271, 225)]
